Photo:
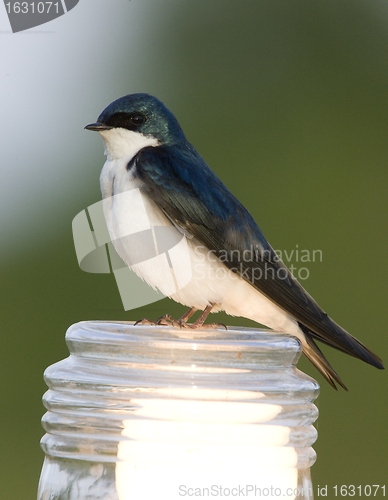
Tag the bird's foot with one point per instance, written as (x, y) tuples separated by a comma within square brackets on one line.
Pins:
[(200, 321), (168, 320)]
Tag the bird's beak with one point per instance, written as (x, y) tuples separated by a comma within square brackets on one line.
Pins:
[(98, 127)]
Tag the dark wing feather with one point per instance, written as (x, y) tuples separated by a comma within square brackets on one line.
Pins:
[(183, 186)]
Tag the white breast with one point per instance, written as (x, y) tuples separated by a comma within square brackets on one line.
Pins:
[(189, 273)]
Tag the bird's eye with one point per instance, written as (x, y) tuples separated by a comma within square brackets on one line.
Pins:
[(121, 119), (138, 119)]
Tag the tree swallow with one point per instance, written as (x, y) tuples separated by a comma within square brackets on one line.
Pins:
[(234, 268)]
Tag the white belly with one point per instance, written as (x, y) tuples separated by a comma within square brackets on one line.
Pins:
[(189, 273)]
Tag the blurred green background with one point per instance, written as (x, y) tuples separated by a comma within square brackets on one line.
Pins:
[(287, 101)]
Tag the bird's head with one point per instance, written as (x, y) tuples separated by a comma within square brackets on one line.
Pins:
[(136, 118)]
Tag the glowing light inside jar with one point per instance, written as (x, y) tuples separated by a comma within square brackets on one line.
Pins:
[(189, 438)]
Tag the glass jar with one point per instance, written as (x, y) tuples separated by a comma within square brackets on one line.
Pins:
[(145, 412)]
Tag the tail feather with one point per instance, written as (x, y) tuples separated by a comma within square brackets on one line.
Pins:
[(344, 342), (317, 358)]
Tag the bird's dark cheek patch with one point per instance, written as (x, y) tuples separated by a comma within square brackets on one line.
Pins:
[(121, 120)]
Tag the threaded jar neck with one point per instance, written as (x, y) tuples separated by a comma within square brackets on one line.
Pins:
[(141, 400)]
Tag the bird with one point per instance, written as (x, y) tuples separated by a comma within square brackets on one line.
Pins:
[(233, 267)]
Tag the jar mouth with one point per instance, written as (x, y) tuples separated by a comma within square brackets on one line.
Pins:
[(236, 348), (231, 333)]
